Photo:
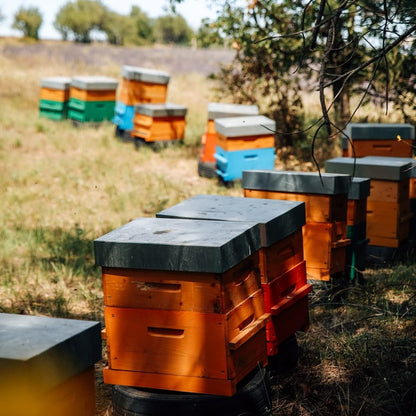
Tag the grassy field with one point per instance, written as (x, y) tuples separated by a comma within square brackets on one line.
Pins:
[(63, 186)]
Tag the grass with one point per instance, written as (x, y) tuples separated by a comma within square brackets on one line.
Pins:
[(62, 187)]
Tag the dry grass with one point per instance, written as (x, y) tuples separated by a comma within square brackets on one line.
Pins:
[(62, 187)]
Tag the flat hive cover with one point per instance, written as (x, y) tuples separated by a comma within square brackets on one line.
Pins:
[(299, 182), (178, 245), (384, 159), (136, 73), (221, 110), (245, 126), (360, 188), (379, 131), (56, 83), (373, 167), (94, 83), (161, 110), (277, 219), (55, 347)]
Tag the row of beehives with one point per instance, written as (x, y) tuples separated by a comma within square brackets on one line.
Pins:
[(196, 305), (137, 105), (200, 292)]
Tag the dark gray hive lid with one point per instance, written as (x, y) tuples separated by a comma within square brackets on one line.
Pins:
[(360, 188), (53, 348), (245, 126), (384, 159), (153, 76), (178, 245), (300, 182), (277, 219), (94, 83), (379, 131), (56, 83), (220, 110), (370, 167), (161, 110)]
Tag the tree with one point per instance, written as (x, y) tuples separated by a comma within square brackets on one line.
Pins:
[(171, 29), (143, 25), (208, 35), (28, 20), (79, 18), (117, 27)]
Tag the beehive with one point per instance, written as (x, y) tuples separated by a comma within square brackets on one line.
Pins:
[(47, 365), (92, 98), (378, 139), (244, 143), (54, 96), (138, 86), (388, 206), (280, 259), (325, 198), (356, 228), (206, 166), (183, 308), (159, 122)]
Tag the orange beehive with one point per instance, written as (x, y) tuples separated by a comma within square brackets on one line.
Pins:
[(388, 206), (184, 308), (380, 139), (325, 198), (159, 122), (142, 86), (279, 261), (93, 95)]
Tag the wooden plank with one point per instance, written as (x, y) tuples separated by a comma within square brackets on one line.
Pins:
[(133, 92), (389, 191), (167, 342), (245, 142), (170, 290), (356, 211), (54, 95), (412, 188), (284, 286), (395, 148), (318, 208), (92, 95), (280, 257), (158, 128), (171, 382)]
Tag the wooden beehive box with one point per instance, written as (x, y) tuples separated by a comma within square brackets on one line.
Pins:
[(280, 255), (159, 122), (388, 205), (55, 89), (142, 85), (379, 139), (325, 198), (183, 309), (47, 365), (53, 97), (216, 111), (93, 88)]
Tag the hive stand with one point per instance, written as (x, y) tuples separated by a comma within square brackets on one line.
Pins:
[(325, 197), (388, 205), (378, 139), (54, 96), (356, 228), (280, 258), (47, 365), (244, 143), (138, 86), (159, 124), (92, 98), (207, 163), (184, 310)]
